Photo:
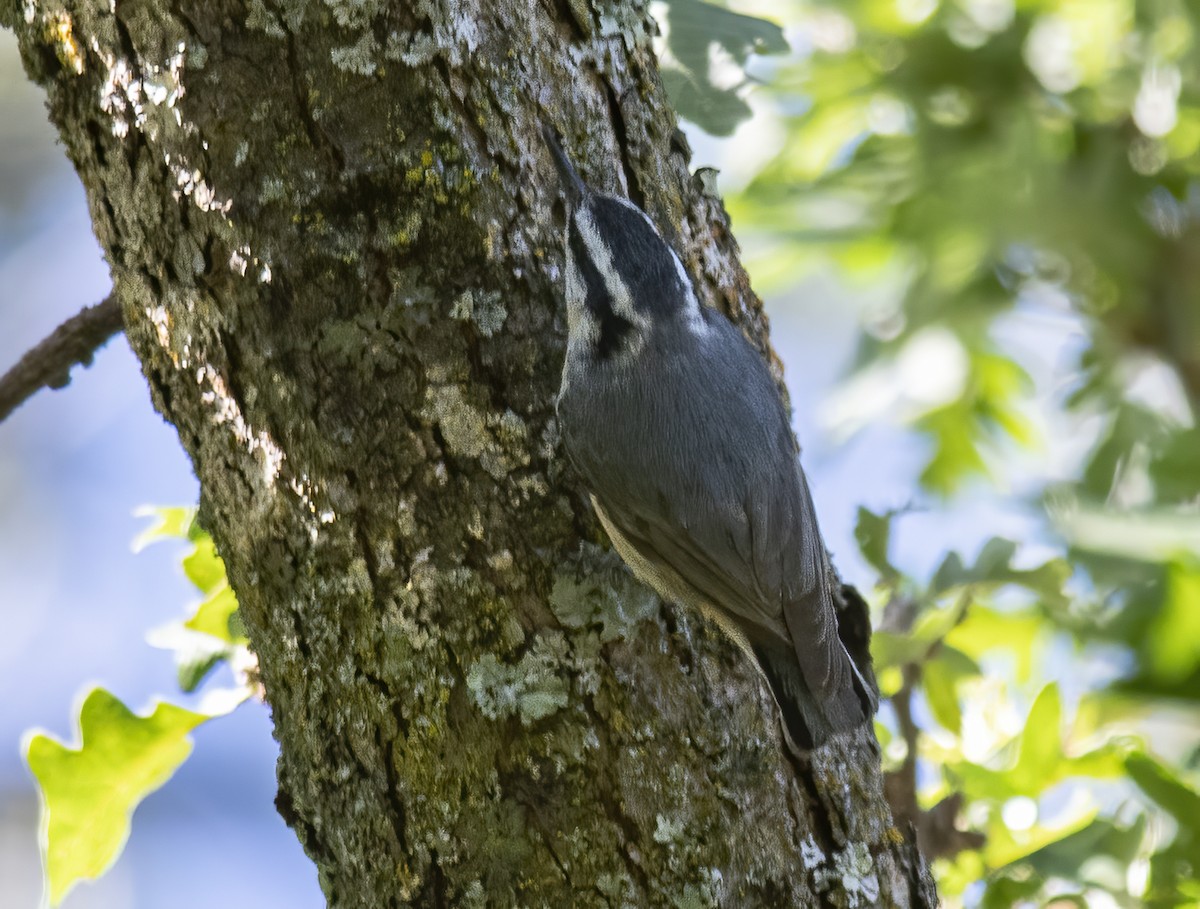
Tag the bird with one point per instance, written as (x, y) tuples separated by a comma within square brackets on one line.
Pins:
[(677, 429)]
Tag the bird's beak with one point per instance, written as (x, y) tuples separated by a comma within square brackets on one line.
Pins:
[(575, 189)]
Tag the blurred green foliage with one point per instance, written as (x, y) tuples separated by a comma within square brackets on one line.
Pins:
[(1015, 182)]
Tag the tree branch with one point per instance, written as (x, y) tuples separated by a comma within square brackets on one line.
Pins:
[(48, 365), (937, 830)]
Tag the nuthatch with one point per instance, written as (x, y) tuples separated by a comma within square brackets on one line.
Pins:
[(679, 433)]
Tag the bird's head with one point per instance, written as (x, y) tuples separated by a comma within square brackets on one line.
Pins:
[(623, 279)]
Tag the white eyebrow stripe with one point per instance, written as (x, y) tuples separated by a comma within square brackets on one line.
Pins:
[(601, 257), (695, 318)]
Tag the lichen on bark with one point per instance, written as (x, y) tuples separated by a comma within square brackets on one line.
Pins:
[(332, 228)]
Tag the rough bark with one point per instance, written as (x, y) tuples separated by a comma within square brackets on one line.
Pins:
[(331, 226)]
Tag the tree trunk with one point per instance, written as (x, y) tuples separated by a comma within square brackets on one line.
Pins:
[(336, 238)]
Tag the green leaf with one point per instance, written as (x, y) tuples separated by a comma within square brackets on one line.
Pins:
[(951, 573), (992, 564), (696, 25), (89, 792), (1151, 535), (214, 632), (191, 670), (1001, 381), (824, 136), (1005, 892), (988, 631), (1004, 846), (204, 567), (993, 568), (1067, 857), (1179, 799), (717, 112), (196, 653), (873, 534), (939, 683), (1173, 640), (170, 523), (893, 649), (215, 616), (955, 454), (1176, 479), (1039, 763), (1041, 748), (693, 28), (1104, 763), (994, 559)]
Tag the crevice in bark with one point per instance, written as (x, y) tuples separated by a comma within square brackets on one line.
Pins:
[(128, 47), (613, 811), (368, 554), (286, 807), (616, 116), (566, 14), (387, 748), (477, 137), (436, 884), (819, 826), (316, 135)]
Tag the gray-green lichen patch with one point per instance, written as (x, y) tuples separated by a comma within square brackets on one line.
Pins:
[(483, 308), (667, 831), (852, 876), (354, 13), (810, 853), (358, 58), (463, 425), (498, 441), (705, 894), (262, 19), (611, 599), (581, 12), (455, 34), (616, 888), (531, 690), (358, 344)]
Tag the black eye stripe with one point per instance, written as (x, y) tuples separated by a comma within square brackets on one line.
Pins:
[(587, 268), (613, 328), (593, 282)]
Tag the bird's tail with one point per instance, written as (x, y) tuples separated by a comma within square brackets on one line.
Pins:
[(808, 722)]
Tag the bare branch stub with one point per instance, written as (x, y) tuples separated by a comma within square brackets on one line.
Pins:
[(49, 363)]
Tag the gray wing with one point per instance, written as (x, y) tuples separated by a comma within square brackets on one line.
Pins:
[(762, 563), (682, 567), (809, 592)]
